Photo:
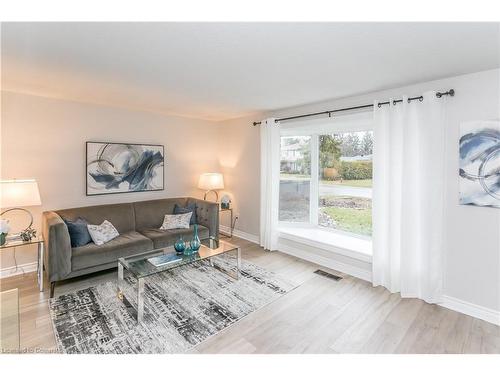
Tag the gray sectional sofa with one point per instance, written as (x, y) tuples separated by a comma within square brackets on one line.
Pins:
[(137, 223)]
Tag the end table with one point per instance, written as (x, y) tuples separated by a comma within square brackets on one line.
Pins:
[(231, 223), (41, 248)]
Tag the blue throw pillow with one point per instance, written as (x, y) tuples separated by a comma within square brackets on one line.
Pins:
[(184, 210), (78, 232)]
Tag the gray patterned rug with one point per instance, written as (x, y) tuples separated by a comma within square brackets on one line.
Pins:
[(183, 307)]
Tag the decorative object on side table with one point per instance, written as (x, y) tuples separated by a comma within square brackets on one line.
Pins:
[(17, 194), (195, 242), (225, 202), (211, 182), (4, 230), (28, 234), (180, 246)]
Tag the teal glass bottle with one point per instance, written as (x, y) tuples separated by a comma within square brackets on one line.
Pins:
[(195, 242), (179, 246)]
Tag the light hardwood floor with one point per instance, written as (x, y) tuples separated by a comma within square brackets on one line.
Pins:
[(319, 316)]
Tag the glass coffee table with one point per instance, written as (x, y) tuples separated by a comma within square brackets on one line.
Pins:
[(140, 266)]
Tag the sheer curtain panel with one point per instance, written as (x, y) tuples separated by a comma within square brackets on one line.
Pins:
[(408, 197), (269, 182)]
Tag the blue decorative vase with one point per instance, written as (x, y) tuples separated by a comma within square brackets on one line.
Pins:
[(179, 246), (195, 242)]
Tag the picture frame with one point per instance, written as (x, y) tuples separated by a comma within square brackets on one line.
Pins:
[(479, 164), (115, 168)]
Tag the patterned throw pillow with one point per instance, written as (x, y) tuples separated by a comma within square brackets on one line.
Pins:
[(102, 233), (176, 221)]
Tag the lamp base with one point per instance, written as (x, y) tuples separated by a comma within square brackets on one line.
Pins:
[(213, 191), (26, 234), (13, 237)]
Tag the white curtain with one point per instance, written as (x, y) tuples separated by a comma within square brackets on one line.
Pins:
[(408, 197), (269, 182)]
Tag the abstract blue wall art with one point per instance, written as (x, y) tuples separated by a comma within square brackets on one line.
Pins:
[(480, 163), (124, 168)]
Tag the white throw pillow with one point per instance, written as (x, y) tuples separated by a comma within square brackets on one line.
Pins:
[(103, 233), (180, 221)]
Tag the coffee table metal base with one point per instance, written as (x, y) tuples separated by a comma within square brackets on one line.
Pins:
[(138, 313)]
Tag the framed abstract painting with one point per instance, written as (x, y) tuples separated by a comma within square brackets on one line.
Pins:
[(124, 168), (479, 170)]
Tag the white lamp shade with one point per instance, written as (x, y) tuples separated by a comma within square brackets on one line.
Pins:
[(19, 193), (211, 181)]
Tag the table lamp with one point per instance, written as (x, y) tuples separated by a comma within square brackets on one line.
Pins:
[(211, 182), (15, 194)]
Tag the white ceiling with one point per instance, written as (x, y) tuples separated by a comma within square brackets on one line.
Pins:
[(217, 71)]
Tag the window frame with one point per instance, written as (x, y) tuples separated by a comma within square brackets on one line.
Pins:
[(356, 122)]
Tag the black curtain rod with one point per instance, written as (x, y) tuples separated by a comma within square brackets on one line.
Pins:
[(450, 92)]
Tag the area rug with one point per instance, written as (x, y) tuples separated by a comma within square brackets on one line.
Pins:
[(183, 307)]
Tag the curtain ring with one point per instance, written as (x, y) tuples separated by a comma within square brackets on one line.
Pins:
[(379, 105), (394, 102), (409, 100), (421, 99)]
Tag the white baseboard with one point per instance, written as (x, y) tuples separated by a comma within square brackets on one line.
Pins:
[(21, 268), (238, 233), (467, 308), (327, 262)]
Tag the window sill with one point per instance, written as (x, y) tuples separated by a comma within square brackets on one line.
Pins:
[(338, 243)]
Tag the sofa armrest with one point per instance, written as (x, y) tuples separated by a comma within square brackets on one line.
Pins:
[(208, 215), (58, 246)]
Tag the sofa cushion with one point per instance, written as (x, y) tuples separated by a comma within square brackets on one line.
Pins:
[(125, 244), (165, 238), (121, 215), (150, 214)]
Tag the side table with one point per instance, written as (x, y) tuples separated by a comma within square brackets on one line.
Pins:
[(231, 223), (41, 248)]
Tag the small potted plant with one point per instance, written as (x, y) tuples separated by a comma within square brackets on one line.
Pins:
[(4, 229)]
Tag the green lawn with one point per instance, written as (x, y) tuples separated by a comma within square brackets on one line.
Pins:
[(352, 220)]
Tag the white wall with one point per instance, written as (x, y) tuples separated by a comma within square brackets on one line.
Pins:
[(45, 139), (473, 233), (239, 158)]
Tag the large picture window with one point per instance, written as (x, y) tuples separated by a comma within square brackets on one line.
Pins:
[(345, 182), (326, 177)]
